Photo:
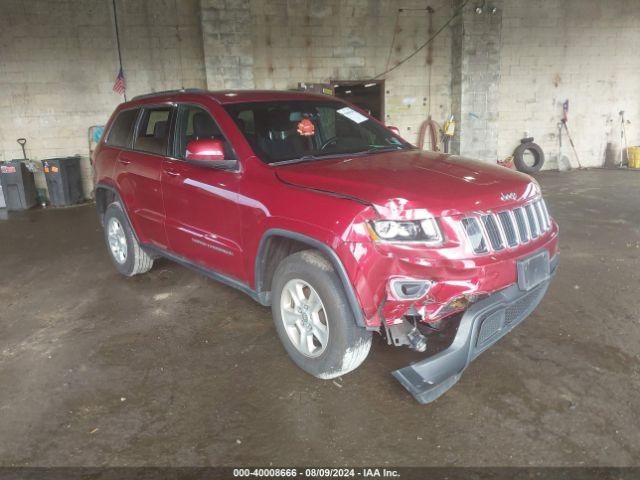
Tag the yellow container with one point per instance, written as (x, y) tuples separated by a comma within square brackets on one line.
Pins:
[(633, 154)]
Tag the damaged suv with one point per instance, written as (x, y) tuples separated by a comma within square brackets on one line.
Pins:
[(314, 208)]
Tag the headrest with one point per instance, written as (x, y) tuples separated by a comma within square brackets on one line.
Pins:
[(204, 126), (160, 129), (279, 120)]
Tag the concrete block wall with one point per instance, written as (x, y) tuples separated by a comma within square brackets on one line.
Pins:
[(275, 44), (503, 75), (475, 79), (58, 63), (227, 38), (585, 51)]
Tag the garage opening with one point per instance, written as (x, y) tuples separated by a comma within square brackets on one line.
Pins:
[(368, 95)]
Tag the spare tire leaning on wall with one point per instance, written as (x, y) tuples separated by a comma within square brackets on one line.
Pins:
[(528, 156)]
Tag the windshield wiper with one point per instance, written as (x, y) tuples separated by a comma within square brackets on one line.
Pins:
[(309, 158), (304, 158), (383, 148)]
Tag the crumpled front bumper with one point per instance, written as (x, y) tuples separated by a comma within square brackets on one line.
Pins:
[(482, 325)]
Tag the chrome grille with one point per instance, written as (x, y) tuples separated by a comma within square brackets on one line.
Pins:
[(545, 211), (542, 219), (474, 232), (531, 218), (491, 227), (507, 228), (523, 230)]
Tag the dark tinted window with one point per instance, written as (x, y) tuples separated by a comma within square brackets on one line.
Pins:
[(122, 130), (195, 123), (245, 122), (153, 132), (305, 130)]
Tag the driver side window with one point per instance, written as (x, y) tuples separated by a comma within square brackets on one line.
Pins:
[(196, 123)]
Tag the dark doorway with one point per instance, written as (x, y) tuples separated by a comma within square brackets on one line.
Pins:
[(368, 95)]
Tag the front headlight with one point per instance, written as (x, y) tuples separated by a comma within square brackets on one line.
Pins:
[(426, 231)]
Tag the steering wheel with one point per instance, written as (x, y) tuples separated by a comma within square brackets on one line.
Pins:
[(328, 142)]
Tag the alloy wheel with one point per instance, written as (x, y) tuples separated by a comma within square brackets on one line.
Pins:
[(304, 318), (117, 240)]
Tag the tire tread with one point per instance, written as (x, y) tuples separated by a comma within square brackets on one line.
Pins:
[(354, 341), (141, 262)]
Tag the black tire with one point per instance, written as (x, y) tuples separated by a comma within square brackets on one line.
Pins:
[(348, 345), (536, 151), (136, 259)]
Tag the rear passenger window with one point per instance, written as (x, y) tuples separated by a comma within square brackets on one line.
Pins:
[(153, 132), (122, 131)]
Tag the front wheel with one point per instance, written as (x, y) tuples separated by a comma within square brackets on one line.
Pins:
[(313, 318), (127, 254)]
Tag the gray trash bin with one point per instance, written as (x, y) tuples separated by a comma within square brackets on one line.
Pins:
[(63, 180), (18, 185)]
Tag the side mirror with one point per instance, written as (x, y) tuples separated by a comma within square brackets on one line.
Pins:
[(209, 152), (205, 150), (395, 130)]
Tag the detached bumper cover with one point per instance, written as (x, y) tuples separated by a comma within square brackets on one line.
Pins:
[(482, 325)]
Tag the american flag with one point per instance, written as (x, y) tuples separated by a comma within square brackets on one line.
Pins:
[(120, 86)]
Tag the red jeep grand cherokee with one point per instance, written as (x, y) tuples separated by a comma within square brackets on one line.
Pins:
[(311, 206)]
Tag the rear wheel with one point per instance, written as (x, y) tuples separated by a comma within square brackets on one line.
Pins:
[(126, 253), (313, 318)]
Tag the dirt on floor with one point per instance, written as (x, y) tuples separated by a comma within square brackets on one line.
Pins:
[(171, 368)]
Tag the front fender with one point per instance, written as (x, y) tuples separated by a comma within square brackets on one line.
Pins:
[(323, 247)]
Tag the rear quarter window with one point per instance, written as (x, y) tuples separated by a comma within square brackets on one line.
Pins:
[(121, 132)]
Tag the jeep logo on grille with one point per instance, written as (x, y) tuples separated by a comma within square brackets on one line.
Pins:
[(508, 196)]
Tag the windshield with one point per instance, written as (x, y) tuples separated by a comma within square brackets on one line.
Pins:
[(302, 130)]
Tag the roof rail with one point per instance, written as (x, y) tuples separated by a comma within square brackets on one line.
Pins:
[(168, 92)]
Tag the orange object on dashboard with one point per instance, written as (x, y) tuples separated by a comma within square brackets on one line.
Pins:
[(306, 128)]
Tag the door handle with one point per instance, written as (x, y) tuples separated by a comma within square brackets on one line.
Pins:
[(124, 161), (173, 173)]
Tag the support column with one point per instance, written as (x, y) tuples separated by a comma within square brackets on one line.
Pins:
[(226, 36), (475, 76)]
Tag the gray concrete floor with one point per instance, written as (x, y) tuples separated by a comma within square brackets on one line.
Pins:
[(171, 368)]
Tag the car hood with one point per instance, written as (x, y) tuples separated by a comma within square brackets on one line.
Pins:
[(407, 183)]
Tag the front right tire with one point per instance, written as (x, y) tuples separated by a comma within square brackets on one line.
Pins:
[(313, 318)]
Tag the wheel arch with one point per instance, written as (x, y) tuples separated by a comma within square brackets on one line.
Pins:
[(276, 244), (105, 196)]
